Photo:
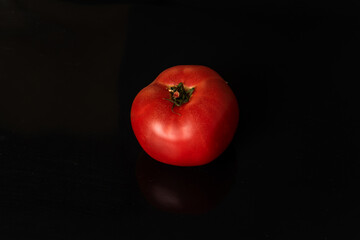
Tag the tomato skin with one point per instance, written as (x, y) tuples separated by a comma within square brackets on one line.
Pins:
[(194, 133)]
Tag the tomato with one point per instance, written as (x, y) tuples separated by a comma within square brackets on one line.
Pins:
[(186, 117)]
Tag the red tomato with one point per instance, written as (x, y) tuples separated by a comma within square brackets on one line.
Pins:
[(186, 117)]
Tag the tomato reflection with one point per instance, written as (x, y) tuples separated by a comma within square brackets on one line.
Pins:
[(186, 190)]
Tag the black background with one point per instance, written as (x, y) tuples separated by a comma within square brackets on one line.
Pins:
[(71, 168)]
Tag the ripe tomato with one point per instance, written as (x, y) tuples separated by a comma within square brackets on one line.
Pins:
[(186, 117)]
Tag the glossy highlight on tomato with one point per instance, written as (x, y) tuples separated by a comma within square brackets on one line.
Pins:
[(186, 117)]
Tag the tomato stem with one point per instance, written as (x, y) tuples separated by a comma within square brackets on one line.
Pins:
[(179, 95)]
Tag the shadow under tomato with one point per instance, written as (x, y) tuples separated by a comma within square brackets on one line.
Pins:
[(186, 190)]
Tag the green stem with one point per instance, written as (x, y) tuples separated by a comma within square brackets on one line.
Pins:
[(179, 95)]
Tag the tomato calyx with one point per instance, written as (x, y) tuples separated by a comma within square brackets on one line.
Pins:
[(179, 95)]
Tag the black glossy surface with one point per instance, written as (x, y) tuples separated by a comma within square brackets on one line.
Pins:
[(71, 168)]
